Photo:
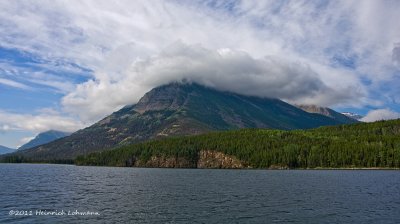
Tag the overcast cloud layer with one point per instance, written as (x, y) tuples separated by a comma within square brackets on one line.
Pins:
[(331, 53)]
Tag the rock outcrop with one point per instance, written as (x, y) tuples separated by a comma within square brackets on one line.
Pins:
[(214, 159), (168, 162), (206, 159)]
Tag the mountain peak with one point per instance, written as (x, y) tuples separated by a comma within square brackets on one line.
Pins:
[(43, 138), (169, 97)]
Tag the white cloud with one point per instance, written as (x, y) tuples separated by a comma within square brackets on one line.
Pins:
[(59, 84), (14, 84), (308, 51), (37, 123), (380, 114), (226, 69), (37, 78), (4, 128)]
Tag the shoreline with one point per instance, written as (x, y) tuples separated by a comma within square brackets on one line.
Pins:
[(247, 168)]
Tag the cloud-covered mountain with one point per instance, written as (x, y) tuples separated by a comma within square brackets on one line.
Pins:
[(44, 138), (222, 69), (180, 109)]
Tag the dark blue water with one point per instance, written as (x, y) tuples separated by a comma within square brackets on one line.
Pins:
[(131, 195)]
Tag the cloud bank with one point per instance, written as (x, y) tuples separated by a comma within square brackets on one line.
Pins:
[(223, 69), (380, 114), (37, 123)]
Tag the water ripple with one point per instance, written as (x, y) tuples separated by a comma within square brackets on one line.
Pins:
[(126, 195)]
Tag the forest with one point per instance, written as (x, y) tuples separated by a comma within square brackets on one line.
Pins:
[(361, 145)]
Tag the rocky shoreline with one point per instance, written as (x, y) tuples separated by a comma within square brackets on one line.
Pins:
[(207, 159)]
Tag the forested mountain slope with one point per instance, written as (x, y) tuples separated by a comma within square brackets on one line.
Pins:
[(344, 146)]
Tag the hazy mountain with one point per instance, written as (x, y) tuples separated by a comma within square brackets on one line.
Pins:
[(353, 115), (44, 138), (176, 110), (328, 112), (5, 150)]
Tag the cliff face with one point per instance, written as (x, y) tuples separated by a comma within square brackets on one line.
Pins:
[(165, 162), (206, 159), (213, 159), (316, 110)]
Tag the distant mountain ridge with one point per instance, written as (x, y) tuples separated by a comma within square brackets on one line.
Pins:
[(180, 109), (5, 150), (43, 138), (352, 115), (328, 112)]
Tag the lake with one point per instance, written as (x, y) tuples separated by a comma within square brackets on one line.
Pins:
[(44, 193)]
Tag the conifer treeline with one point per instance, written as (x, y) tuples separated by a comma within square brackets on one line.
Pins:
[(358, 145)]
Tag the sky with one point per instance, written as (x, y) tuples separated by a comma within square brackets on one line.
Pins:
[(66, 64)]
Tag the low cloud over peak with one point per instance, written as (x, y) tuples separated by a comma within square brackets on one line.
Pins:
[(223, 69)]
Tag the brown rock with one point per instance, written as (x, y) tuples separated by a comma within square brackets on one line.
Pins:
[(214, 159)]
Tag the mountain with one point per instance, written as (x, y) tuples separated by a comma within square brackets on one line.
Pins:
[(5, 150), (352, 115), (179, 109), (43, 138), (329, 113)]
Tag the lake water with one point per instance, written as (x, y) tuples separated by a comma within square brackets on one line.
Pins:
[(134, 195)]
